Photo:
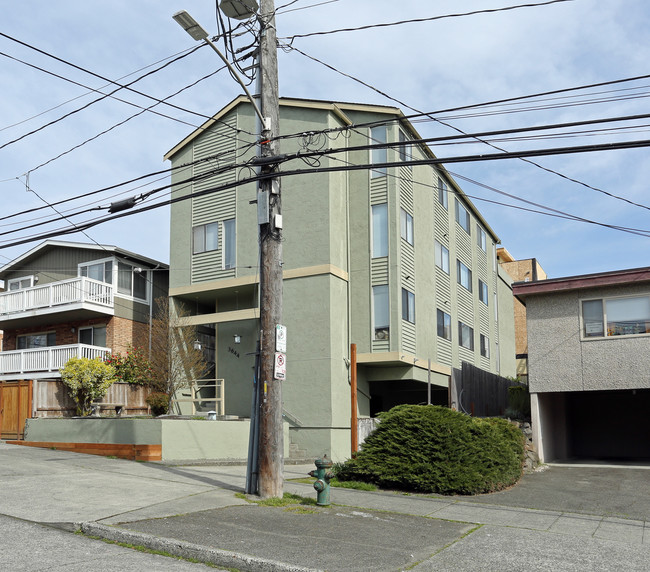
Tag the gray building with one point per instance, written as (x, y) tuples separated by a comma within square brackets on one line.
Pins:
[(588, 344), (395, 260)]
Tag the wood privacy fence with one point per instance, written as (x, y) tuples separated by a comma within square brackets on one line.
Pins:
[(477, 392)]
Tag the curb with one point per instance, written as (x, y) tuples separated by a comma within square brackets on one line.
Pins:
[(183, 549)]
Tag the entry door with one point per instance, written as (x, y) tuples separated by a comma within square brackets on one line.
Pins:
[(15, 407)]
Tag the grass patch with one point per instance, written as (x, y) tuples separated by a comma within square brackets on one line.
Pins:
[(286, 500)]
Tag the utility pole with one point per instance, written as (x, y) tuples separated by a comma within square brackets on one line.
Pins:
[(271, 445)]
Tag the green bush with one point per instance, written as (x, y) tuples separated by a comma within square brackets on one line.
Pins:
[(433, 449), (159, 403), (87, 380), (519, 401), (133, 367)]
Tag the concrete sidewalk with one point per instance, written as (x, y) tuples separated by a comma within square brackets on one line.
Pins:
[(193, 512)]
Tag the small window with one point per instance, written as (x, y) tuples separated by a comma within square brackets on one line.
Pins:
[(93, 336), (380, 312), (444, 324), (378, 154), (485, 346), (406, 226), (405, 149), (408, 306), (443, 193), (101, 271), (481, 239), (20, 283), (483, 292), (465, 336), (463, 275), (442, 257), (205, 237), (462, 216), (131, 281), (592, 318), (379, 230), (229, 243)]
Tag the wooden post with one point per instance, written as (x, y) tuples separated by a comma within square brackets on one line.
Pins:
[(354, 422)]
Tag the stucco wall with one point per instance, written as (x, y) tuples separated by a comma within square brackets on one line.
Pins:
[(560, 361)]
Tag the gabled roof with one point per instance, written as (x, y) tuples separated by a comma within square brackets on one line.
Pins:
[(581, 282), (49, 244), (338, 109)]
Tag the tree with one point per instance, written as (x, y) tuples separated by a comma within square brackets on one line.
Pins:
[(87, 380), (175, 361)]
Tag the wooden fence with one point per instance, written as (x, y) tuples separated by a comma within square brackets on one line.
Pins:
[(477, 392)]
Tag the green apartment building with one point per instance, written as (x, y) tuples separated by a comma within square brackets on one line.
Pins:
[(395, 260)]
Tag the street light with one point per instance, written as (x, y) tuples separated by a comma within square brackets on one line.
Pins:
[(194, 29), (238, 9)]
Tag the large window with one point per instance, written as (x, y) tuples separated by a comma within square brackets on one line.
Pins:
[(93, 336), (406, 226), (485, 346), (465, 336), (442, 257), (463, 275), (379, 230), (205, 237), (102, 271), (481, 238), (408, 306), (379, 155), (443, 193), (380, 312), (444, 324), (616, 316), (131, 281), (34, 341), (482, 292), (229, 243), (462, 216)]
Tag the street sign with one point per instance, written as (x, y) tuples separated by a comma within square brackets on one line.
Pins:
[(281, 339), (280, 369)]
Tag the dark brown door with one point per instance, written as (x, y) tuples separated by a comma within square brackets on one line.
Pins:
[(15, 407)]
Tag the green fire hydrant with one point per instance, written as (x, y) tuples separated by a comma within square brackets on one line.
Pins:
[(322, 484)]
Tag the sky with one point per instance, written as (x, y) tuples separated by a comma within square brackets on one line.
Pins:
[(430, 66)]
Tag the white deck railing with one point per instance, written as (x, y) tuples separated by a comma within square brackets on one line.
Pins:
[(49, 359), (65, 292)]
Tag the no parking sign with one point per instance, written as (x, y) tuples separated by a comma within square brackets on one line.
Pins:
[(280, 369)]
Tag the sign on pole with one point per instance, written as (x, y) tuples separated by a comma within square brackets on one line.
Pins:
[(281, 339), (280, 369)]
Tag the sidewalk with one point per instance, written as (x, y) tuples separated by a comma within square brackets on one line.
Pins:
[(193, 512)]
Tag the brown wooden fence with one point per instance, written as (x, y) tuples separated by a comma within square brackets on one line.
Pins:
[(477, 392)]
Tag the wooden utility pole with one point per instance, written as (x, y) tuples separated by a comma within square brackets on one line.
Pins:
[(271, 445), (354, 421)]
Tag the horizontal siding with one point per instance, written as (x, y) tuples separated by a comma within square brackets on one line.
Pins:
[(465, 306), (406, 190), (379, 271), (408, 337), (464, 246), (443, 351), (407, 260), (380, 345), (378, 190)]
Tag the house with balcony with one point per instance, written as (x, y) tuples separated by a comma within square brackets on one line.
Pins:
[(396, 260), (63, 300)]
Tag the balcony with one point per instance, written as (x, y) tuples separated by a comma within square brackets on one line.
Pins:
[(44, 362), (80, 297)]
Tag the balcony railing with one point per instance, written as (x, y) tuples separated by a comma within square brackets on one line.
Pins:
[(49, 359), (65, 292)]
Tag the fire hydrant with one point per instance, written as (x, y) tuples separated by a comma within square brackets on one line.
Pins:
[(322, 484)]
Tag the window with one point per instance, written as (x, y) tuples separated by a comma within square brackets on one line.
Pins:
[(381, 312), (462, 216), (379, 230), (463, 275), (444, 324), (229, 243), (482, 292), (465, 336), (443, 193), (481, 238), (485, 346), (408, 306), (102, 271), (93, 336), (442, 257), (131, 281), (34, 341), (616, 316), (405, 149), (379, 155), (20, 283), (205, 237), (406, 226)]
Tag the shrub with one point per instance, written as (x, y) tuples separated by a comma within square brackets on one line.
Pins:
[(519, 401), (433, 449), (133, 367), (159, 402), (87, 380)]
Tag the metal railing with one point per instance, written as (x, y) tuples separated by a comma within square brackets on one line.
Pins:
[(206, 395), (73, 291), (48, 359)]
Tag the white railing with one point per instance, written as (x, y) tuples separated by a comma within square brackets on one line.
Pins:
[(73, 291), (206, 395), (49, 359)]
